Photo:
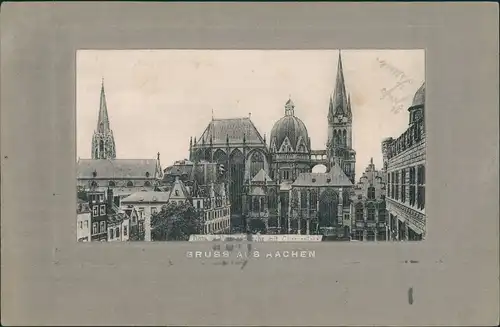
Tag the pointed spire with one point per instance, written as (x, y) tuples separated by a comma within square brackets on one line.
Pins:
[(371, 161), (339, 103), (212, 113), (103, 120), (264, 138), (349, 111), (194, 141), (190, 142)]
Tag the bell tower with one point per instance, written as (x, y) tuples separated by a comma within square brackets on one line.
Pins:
[(339, 145), (103, 142)]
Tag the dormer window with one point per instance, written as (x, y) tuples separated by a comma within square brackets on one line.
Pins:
[(314, 180), (147, 174), (176, 192), (112, 184), (328, 180), (94, 174)]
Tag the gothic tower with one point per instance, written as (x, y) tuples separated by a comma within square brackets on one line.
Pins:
[(339, 145), (103, 142)]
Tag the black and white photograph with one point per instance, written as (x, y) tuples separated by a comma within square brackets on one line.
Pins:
[(275, 145)]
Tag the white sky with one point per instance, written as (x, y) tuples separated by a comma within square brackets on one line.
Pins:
[(157, 99)]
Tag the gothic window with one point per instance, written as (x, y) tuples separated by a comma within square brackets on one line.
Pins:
[(344, 137), (101, 147), (313, 202), (130, 184), (111, 184), (371, 192), (262, 205), (147, 174), (358, 212), (412, 186), (117, 232), (256, 163), (421, 187), (370, 212), (345, 199), (272, 199), (255, 204), (303, 199)]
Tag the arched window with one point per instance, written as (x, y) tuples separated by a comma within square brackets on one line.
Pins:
[(344, 137), (255, 204), (111, 184), (371, 192), (256, 163), (346, 199), (147, 183), (130, 184), (358, 212), (94, 184), (303, 199), (313, 201), (370, 212)]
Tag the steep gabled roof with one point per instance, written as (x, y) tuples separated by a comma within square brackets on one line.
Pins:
[(335, 177), (261, 177), (161, 197), (117, 168), (234, 129)]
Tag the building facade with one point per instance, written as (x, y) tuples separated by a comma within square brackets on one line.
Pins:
[(404, 162), (238, 145), (83, 221), (144, 204), (99, 215), (320, 204), (261, 203), (368, 207)]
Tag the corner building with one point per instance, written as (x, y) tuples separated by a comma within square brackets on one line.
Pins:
[(404, 161)]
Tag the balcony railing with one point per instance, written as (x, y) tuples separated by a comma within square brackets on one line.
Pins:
[(412, 135)]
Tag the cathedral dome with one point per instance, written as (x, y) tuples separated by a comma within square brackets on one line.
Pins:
[(419, 97), (290, 127)]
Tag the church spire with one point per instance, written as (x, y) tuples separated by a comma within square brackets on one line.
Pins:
[(349, 111), (103, 142), (339, 103), (103, 121)]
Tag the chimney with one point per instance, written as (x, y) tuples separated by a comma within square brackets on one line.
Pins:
[(110, 198)]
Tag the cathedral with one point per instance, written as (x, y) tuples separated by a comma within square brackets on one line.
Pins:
[(104, 170), (271, 185)]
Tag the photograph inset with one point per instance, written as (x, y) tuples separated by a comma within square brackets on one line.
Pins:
[(303, 145)]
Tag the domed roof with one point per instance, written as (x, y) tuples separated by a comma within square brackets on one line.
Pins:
[(289, 126), (419, 97)]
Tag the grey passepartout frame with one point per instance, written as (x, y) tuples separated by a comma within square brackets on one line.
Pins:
[(451, 278)]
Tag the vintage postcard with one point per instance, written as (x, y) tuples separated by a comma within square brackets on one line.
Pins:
[(305, 145)]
